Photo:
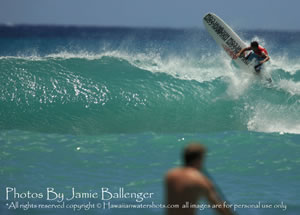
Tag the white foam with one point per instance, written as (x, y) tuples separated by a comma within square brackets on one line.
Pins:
[(70, 55), (239, 82), (187, 68), (290, 86), (23, 57), (285, 63), (274, 118)]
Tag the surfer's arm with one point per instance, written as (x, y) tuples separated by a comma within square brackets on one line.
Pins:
[(266, 58), (242, 51)]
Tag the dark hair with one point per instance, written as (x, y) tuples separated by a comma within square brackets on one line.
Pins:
[(192, 152), (254, 44)]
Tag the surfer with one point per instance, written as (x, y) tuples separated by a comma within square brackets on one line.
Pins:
[(186, 185), (258, 52)]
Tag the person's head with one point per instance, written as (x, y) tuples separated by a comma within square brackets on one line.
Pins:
[(254, 45), (193, 155)]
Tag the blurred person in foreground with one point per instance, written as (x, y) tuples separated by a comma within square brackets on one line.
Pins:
[(187, 185)]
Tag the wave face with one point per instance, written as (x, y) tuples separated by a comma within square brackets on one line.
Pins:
[(143, 80)]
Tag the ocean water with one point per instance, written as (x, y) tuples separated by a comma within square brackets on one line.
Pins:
[(104, 109)]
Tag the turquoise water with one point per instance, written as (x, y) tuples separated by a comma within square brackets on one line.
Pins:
[(93, 108)]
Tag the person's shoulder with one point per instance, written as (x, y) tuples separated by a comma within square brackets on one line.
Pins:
[(182, 172), (173, 172), (190, 174), (199, 181), (202, 180)]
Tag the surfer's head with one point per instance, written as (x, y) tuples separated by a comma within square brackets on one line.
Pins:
[(193, 155), (254, 45)]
